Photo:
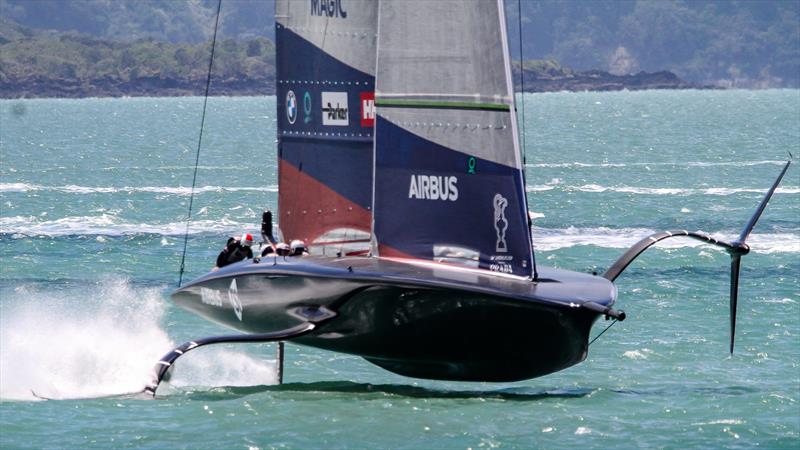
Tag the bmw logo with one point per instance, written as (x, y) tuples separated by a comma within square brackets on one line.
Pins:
[(291, 107)]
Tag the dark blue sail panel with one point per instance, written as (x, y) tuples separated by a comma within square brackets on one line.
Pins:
[(319, 95), (325, 115), (469, 207)]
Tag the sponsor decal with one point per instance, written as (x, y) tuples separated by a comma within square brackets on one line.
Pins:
[(210, 296), (501, 263), (471, 163), (433, 187), (233, 298), (328, 8), (500, 222), (307, 107), (291, 107), (334, 109), (367, 109)]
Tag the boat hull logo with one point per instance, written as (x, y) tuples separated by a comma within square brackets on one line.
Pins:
[(500, 222), (291, 107), (233, 298), (334, 109), (210, 297)]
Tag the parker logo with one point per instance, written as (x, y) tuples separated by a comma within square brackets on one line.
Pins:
[(368, 109), (334, 109), (433, 187)]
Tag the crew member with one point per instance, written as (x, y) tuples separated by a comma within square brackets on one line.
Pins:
[(266, 228), (283, 249), (298, 248), (236, 250)]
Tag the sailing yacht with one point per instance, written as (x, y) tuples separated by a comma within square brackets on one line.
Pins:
[(401, 168)]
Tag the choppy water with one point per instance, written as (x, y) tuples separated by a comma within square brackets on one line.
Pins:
[(93, 197)]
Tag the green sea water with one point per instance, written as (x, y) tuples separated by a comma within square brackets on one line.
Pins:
[(93, 200)]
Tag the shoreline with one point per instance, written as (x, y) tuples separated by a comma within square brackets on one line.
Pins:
[(272, 94), (153, 86), (28, 95)]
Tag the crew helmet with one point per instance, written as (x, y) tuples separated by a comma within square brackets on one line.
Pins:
[(247, 239), (298, 247), (283, 249)]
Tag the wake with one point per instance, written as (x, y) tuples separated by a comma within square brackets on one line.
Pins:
[(99, 341)]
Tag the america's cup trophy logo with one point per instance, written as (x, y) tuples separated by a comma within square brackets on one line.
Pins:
[(500, 222)]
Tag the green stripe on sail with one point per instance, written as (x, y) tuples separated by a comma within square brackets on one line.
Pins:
[(435, 104)]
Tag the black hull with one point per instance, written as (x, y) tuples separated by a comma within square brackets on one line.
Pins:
[(416, 324), (452, 335)]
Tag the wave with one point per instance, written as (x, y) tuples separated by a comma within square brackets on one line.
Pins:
[(670, 164), (180, 190), (101, 340), (111, 168), (110, 225), (124, 168), (719, 191), (545, 239), (554, 184)]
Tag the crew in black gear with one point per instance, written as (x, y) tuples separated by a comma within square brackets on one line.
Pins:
[(266, 228), (233, 252)]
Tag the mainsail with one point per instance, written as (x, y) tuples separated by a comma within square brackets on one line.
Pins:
[(325, 82), (448, 171)]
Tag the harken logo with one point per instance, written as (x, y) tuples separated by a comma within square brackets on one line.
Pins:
[(291, 107), (334, 109), (367, 109)]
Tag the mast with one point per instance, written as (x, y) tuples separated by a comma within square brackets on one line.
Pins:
[(514, 123)]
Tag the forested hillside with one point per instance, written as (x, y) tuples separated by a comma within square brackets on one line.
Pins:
[(52, 64), (729, 43), (174, 21), (747, 43)]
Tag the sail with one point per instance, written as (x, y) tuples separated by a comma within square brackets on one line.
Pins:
[(325, 77), (448, 171)]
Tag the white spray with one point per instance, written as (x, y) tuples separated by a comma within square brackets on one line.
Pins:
[(101, 340)]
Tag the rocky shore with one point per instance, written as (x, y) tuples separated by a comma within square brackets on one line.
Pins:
[(596, 80), (536, 80), (42, 87)]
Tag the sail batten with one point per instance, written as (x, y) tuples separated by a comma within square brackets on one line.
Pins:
[(403, 102)]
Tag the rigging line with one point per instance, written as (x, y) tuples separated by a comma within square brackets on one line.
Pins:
[(199, 143), (521, 76), (524, 156), (601, 333)]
